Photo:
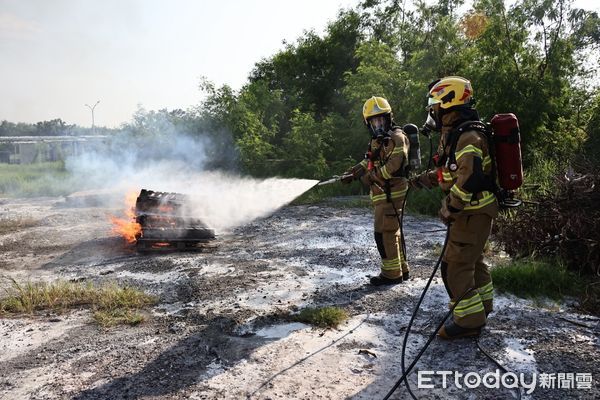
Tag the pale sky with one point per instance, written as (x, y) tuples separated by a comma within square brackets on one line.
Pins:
[(57, 55)]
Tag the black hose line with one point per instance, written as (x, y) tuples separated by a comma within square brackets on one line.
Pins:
[(500, 366), (431, 337), (437, 265), (416, 310), (414, 315), (406, 371)]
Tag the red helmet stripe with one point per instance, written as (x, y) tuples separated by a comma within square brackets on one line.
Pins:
[(439, 88), (466, 94)]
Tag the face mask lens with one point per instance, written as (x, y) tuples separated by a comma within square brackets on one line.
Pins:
[(378, 125)]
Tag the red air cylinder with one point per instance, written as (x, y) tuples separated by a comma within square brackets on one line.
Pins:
[(507, 142)]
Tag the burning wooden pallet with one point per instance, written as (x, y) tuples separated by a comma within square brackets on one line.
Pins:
[(165, 226)]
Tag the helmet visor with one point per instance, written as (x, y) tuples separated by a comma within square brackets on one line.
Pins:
[(431, 101)]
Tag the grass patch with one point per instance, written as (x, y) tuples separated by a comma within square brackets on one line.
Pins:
[(118, 317), (112, 304), (533, 279), (590, 298), (325, 317), (40, 179)]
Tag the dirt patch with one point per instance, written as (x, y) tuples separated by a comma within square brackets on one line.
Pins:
[(222, 329)]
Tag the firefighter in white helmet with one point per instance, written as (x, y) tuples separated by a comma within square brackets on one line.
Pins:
[(464, 173), (384, 170)]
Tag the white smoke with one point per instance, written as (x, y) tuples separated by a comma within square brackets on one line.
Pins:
[(226, 201), (178, 163)]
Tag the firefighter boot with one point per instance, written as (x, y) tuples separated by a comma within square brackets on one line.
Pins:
[(382, 280), (452, 331)]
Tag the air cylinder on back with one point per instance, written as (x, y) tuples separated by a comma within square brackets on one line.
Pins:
[(414, 153), (507, 142)]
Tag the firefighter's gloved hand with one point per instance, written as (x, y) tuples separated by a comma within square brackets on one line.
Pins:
[(421, 181), (447, 213), (347, 178), (414, 183), (374, 179)]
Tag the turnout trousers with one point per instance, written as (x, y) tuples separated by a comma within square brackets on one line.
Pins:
[(463, 269), (388, 238)]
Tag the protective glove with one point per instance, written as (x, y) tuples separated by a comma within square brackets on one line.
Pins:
[(414, 183), (347, 178), (421, 181), (374, 179), (447, 213)]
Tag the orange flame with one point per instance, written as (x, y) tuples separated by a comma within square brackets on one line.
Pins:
[(128, 228)]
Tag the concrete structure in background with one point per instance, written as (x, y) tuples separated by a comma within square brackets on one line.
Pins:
[(32, 149)]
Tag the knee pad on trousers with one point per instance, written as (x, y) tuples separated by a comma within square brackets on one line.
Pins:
[(444, 267), (380, 246)]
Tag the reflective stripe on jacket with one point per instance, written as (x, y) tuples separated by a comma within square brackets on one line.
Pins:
[(466, 186), (388, 167)]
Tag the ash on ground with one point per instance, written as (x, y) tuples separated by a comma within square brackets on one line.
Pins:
[(222, 328)]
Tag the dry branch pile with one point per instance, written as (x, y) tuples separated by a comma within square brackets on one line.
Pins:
[(564, 223)]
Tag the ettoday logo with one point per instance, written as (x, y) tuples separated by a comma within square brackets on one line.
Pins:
[(508, 380)]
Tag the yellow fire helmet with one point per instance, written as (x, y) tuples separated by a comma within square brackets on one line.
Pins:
[(376, 106), (450, 91)]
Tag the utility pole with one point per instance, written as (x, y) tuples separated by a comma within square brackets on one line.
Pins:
[(92, 110)]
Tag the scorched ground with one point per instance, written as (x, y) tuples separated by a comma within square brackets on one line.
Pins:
[(221, 329)]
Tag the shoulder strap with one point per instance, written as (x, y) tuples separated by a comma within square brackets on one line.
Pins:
[(403, 171), (486, 131), (455, 135)]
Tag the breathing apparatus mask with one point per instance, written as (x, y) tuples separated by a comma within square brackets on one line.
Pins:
[(379, 126), (433, 121)]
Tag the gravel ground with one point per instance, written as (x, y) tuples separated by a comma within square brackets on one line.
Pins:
[(222, 329)]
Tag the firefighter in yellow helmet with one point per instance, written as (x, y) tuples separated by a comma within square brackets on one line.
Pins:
[(384, 170), (464, 172)]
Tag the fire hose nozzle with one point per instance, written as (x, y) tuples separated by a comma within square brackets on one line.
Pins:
[(335, 178), (331, 180)]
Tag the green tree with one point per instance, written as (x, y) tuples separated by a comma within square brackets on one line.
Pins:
[(303, 147), (528, 58), (534, 78)]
